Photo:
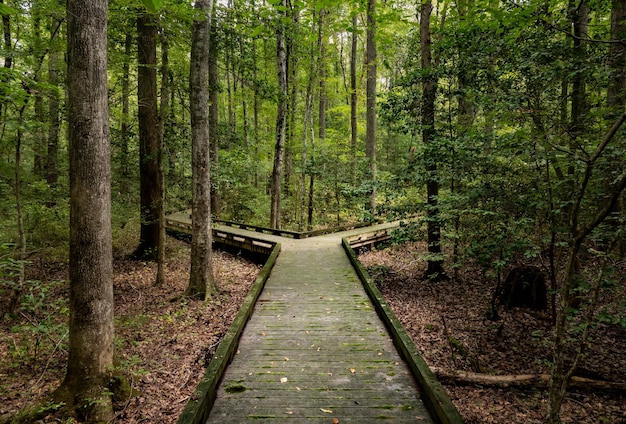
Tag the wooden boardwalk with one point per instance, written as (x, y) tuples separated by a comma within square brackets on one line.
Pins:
[(314, 349)]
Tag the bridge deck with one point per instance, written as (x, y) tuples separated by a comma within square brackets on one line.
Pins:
[(314, 349)]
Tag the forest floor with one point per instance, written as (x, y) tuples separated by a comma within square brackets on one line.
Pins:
[(518, 343), (164, 341)]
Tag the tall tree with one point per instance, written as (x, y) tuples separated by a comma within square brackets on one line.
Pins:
[(52, 172), (150, 149), (370, 114), (616, 91), (201, 281), (214, 115), (124, 130), (281, 119), (90, 358), (353, 94), (429, 94)]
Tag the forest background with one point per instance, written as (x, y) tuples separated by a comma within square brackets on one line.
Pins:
[(499, 123)]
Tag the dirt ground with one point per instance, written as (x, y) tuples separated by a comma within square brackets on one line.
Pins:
[(518, 343), (164, 341)]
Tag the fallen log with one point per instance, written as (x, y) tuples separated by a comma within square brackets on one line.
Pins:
[(522, 380)]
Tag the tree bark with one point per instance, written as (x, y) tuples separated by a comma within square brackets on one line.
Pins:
[(90, 268), (124, 131), (214, 118), (150, 150), (353, 97), (370, 114), (8, 50), (281, 120), (522, 380), (201, 281), (52, 171), (429, 92)]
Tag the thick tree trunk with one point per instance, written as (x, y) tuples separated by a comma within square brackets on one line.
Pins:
[(370, 114), (90, 268), (201, 281), (429, 88), (150, 150), (281, 120)]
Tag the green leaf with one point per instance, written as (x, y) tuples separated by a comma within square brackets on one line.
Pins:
[(152, 5), (7, 10)]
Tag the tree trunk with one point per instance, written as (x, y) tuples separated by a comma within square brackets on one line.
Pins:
[(370, 133), (150, 150), (214, 118), (353, 98), (40, 142), (616, 96), (8, 52), (52, 171), (124, 132), (201, 281), (616, 91), (90, 359), (429, 88), (523, 380), (281, 120), (163, 115)]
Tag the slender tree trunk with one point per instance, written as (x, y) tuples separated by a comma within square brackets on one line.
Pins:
[(40, 143), (90, 358), (163, 115), (281, 120), (8, 52), (255, 118), (370, 143), (52, 171), (214, 118), (124, 130), (201, 281), (150, 150), (616, 91), (353, 97), (429, 92), (321, 60), (616, 94)]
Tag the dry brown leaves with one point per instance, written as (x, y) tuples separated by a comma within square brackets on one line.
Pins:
[(518, 343), (163, 341)]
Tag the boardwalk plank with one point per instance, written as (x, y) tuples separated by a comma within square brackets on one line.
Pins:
[(315, 344)]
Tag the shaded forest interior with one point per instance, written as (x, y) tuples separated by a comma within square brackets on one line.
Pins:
[(493, 128)]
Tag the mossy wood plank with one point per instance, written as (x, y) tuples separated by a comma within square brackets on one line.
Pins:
[(314, 340)]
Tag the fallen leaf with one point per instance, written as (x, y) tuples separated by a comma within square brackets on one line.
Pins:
[(328, 411), (352, 370), (283, 380)]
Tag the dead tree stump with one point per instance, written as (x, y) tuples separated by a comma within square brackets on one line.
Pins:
[(525, 287)]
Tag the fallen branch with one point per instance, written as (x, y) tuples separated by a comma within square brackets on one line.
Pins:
[(522, 380)]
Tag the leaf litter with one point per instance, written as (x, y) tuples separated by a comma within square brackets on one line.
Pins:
[(519, 343), (163, 341)]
